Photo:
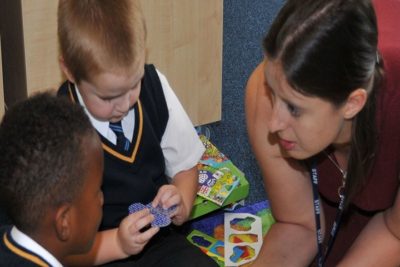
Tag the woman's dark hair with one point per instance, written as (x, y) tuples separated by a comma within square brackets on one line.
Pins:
[(327, 49)]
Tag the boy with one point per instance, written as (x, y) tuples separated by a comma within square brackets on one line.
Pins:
[(51, 167), (146, 134)]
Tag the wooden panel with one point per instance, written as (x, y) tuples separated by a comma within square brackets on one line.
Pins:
[(12, 50), (185, 42), (1, 86), (41, 46)]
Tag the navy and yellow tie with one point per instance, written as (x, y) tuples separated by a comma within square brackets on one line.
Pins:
[(122, 142)]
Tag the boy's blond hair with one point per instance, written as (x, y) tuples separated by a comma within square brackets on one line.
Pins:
[(100, 35)]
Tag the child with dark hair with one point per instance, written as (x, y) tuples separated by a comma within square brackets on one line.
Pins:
[(51, 166), (151, 148)]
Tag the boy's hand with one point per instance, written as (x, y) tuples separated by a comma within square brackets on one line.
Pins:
[(132, 236), (168, 196)]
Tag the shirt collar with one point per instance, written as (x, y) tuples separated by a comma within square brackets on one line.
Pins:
[(28, 243)]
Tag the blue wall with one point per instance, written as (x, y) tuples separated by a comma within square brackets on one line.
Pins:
[(245, 24)]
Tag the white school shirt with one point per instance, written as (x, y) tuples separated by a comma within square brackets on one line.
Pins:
[(180, 143), (26, 242)]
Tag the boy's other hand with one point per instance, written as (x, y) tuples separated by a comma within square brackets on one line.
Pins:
[(134, 232), (169, 196)]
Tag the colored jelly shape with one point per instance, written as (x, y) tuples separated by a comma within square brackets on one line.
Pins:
[(242, 224)]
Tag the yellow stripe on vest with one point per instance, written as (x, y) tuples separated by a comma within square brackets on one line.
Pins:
[(24, 254), (138, 139)]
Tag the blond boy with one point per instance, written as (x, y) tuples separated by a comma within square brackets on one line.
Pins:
[(146, 135)]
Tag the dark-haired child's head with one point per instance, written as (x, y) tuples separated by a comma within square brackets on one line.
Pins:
[(51, 166), (103, 52)]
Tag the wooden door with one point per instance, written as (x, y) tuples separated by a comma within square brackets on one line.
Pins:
[(184, 42)]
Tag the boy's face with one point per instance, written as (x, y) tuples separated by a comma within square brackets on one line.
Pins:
[(110, 95), (87, 207)]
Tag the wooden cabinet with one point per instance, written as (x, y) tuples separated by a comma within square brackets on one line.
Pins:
[(41, 45), (184, 41)]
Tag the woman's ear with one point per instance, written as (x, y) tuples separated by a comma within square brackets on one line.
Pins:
[(355, 103), (63, 222), (65, 69)]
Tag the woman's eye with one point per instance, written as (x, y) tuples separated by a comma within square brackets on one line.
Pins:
[(293, 110)]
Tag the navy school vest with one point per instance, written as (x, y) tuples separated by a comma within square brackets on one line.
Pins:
[(135, 175)]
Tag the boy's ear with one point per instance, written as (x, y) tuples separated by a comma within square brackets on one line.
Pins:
[(63, 222), (65, 69), (355, 103)]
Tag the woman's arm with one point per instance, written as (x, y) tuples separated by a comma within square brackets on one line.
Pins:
[(379, 242), (291, 241)]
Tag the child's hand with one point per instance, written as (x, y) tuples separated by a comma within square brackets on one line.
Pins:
[(131, 234), (168, 196)]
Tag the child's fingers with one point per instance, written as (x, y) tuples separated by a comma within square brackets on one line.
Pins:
[(157, 199), (139, 241), (166, 198), (139, 220), (145, 236), (163, 194), (173, 200), (178, 220)]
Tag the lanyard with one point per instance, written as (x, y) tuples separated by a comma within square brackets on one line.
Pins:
[(321, 256)]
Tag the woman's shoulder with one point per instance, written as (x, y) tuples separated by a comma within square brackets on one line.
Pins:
[(256, 91)]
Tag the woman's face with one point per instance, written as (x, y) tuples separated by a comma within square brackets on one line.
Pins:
[(303, 125)]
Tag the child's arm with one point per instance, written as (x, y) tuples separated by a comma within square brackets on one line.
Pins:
[(118, 243), (187, 184), (182, 149)]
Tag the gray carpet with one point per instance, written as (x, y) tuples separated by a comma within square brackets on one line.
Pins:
[(245, 24)]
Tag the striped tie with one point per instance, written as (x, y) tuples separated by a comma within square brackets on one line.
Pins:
[(122, 141)]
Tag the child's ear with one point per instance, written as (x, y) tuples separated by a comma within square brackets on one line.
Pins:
[(63, 222), (355, 103), (65, 69)]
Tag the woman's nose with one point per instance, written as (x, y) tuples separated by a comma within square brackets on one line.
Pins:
[(277, 120)]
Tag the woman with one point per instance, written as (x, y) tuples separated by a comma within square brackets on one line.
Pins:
[(319, 126)]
